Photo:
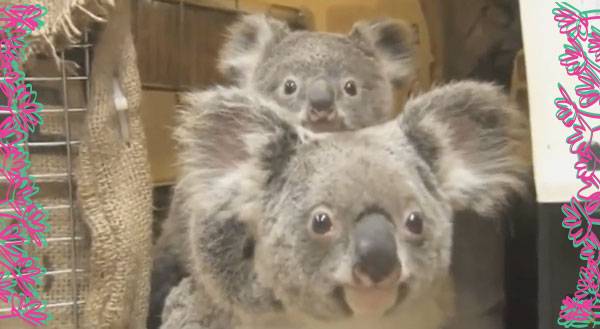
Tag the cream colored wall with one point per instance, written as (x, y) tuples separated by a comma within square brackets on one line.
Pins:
[(157, 109)]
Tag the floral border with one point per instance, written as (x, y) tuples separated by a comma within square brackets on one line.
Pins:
[(24, 223), (581, 59)]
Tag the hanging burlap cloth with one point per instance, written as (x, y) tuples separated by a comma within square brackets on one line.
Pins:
[(64, 22), (114, 186)]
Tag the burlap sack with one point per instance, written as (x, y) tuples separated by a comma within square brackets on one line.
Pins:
[(64, 22), (114, 187)]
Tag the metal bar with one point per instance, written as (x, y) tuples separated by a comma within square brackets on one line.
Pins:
[(53, 273), (42, 177), (86, 55), (54, 175), (159, 87), (230, 6), (58, 207), (180, 41), (34, 79), (81, 45), (52, 305), (75, 308), (60, 239), (51, 144), (65, 239), (59, 272), (51, 110)]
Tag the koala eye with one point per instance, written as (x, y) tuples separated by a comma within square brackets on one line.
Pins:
[(414, 223), (350, 88), (290, 87), (321, 223)]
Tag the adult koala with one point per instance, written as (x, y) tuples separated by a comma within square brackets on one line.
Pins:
[(350, 230), (324, 81)]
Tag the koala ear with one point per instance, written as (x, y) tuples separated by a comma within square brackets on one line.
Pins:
[(246, 42), (392, 42), (223, 128), (473, 139)]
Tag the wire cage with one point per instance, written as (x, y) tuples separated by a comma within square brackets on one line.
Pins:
[(53, 150)]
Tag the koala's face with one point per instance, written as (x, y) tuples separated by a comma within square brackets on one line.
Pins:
[(346, 224), (327, 81), (358, 236)]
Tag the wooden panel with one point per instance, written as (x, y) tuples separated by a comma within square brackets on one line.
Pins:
[(204, 31), (178, 44), (157, 108), (156, 40)]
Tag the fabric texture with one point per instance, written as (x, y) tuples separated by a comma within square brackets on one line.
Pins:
[(115, 186), (64, 22)]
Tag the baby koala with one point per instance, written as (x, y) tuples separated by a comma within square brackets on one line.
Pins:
[(328, 81), (289, 229), (325, 82)]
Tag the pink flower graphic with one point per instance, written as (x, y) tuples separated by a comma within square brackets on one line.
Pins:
[(32, 220), (588, 91), (570, 21), (28, 309), (11, 43), (573, 59), (24, 16), (13, 160), (11, 234), (6, 286), (574, 310), (8, 133), (27, 275), (27, 108), (567, 110), (18, 21), (573, 221), (594, 43)]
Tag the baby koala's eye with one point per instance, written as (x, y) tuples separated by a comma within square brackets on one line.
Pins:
[(350, 88), (414, 223), (321, 223), (290, 87)]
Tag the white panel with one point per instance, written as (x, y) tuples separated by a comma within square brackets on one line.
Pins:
[(553, 163)]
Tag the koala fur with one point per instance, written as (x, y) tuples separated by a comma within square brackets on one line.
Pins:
[(251, 179), (260, 55)]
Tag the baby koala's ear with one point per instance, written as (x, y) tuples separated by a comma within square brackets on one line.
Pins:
[(246, 42), (392, 42), (472, 138), (222, 128)]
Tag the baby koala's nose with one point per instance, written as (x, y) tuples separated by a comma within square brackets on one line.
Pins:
[(321, 97), (375, 250)]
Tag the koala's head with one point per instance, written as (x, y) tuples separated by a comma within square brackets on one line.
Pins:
[(357, 223), (329, 81)]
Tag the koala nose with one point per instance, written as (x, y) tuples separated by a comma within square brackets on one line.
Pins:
[(321, 97), (376, 253)]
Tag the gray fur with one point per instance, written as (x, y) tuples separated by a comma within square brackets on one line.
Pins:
[(464, 131), (290, 280), (262, 53)]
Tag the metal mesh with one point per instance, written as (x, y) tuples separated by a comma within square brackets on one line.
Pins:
[(53, 149)]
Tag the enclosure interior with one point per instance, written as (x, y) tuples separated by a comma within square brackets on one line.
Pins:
[(177, 44)]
